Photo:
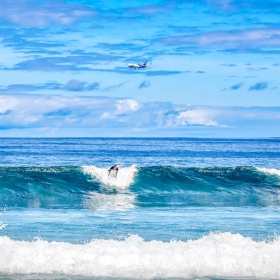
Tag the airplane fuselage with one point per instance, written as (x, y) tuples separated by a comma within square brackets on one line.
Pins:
[(137, 66)]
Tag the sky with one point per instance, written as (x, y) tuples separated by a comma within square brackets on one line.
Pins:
[(213, 68)]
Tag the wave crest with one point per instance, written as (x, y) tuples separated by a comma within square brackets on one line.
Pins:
[(271, 171), (125, 176)]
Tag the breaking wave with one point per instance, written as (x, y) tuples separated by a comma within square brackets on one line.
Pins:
[(272, 171), (222, 255), (155, 186), (124, 179)]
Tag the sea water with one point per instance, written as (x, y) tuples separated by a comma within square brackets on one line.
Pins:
[(181, 208)]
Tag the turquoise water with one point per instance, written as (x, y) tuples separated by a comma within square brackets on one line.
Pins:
[(180, 208)]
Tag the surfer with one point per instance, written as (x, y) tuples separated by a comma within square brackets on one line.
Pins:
[(114, 167)]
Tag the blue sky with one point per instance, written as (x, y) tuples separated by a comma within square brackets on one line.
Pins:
[(213, 68)]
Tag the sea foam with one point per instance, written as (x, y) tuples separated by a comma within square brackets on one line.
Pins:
[(272, 171), (2, 225), (124, 179), (215, 255)]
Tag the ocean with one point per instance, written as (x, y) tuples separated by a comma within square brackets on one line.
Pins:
[(180, 208)]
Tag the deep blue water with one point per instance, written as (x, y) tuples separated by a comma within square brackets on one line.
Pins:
[(180, 208)]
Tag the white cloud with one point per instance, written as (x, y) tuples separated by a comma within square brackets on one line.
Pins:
[(263, 37), (127, 105), (106, 115), (53, 111), (85, 114), (30, 13), (196, 117)]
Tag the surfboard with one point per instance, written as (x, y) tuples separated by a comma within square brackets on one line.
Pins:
[(112, 174)]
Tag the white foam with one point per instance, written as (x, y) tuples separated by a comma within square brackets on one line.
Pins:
[(269, 171), (2, 225), (99, 201), (216, 255), (124, 179)]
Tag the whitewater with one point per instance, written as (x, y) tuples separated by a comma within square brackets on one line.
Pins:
[(217, 255), (181, 208)]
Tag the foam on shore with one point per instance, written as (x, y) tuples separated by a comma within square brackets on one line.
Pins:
[(215, 255)]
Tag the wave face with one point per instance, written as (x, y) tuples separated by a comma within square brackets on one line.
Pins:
[(236, 186), (46, 187), (58, 187), (157, 186)]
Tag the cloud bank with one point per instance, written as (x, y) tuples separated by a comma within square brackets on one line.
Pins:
[(125, 115)]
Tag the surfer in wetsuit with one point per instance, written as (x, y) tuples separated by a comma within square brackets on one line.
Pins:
[(114, 167)]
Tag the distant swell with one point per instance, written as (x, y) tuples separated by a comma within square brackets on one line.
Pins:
[(215, 255), (155, 186)]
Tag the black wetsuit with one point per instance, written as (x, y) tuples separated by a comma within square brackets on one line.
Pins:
[(113, 168)]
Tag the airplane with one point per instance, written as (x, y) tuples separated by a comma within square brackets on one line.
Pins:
[(138, 66)]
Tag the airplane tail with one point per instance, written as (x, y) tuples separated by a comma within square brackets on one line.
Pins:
[(145, 63)]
